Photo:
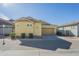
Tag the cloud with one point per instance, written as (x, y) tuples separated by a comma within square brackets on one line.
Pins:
[(4, 16), (7, 4)]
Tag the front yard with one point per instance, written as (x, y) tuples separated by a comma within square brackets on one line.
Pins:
[(49, 45)]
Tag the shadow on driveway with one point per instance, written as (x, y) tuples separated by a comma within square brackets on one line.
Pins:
[(52, 43)]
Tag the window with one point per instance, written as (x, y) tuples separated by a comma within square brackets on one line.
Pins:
[(29, 25)]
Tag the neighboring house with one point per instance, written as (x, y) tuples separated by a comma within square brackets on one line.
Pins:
[(5, 27), (12, 21), (31, 25), (71, 29)]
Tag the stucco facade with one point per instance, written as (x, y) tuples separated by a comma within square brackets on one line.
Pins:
[(29, 25), (69, 30), (37, 29)]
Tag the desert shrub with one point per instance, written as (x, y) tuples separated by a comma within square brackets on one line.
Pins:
[(12, 35), (23, 35), (30, 35)]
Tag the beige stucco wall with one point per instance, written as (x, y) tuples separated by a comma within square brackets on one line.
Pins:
[(37, 29), (21, 27)]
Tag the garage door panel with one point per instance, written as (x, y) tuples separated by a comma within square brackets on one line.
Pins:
[(48, 31)]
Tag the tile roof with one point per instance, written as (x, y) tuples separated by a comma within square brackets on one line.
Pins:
[(70, 24), (33, 19), (12, 21)]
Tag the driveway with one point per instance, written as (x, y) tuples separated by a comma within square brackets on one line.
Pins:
[(49, 45)]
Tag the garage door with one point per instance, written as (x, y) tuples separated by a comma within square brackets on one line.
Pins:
[(48, 31)]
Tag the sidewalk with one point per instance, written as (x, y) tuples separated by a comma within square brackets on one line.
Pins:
[(69, 38)]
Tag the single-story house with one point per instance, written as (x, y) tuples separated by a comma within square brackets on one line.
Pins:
[(36, 27), (5, 27), (71, 29)]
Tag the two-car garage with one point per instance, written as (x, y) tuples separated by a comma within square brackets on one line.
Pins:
[(48, 30)]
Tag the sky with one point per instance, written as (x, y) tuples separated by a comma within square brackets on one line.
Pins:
[(53, 13)]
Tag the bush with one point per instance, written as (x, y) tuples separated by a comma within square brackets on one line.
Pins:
[(23, 35), (30, 35), (6, 34), (12, 35)]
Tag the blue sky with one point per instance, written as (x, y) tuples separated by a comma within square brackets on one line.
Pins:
[(53, 13)]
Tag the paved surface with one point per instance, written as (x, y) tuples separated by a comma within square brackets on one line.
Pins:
[(48, 46)]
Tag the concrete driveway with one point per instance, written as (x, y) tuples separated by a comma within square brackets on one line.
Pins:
[(49, 45)]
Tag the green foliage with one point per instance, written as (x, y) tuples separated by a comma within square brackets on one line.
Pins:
[(23, 35), (30, 35), (12, 35)]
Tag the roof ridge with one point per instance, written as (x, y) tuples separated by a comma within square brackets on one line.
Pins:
[(4, 21), (70, 23), (34, 19)]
